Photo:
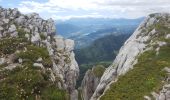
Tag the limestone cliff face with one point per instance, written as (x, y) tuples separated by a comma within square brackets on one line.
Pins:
[(90, 81), (41, 33), (141, 41)]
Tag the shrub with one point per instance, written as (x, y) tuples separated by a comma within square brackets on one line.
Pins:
[(21, 33), (98, 70), (42, 36)]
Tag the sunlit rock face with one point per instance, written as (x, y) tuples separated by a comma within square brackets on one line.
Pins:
[(127, 57)]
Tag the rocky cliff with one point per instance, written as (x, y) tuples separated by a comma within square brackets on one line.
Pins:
[(33, 60), (139, 64), (90, 81)]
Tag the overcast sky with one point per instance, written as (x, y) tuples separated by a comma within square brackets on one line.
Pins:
[(65, 9)]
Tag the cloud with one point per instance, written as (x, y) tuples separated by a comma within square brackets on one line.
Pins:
[(65, 9), (92, 15), (135, 2)]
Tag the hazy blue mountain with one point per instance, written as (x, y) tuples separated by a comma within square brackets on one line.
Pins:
[(85, 30), (101, 21), (65, 29)]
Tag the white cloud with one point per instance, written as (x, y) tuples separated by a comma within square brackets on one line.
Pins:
[(104, 8), (79, 16)]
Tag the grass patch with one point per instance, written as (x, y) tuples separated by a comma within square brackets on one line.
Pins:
[(98, 70), (33, 53), (147, 76), (27, 82), (10, 45), (21, 33)]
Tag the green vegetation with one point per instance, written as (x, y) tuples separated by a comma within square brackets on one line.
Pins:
[(148, 74), (26, 82), (152, 15), (10, 45), (102, 49), (98, 70), (22, 33), (42, 36), (51, 93), (85, 67), (101, 52), (33, 53), (80, 94)]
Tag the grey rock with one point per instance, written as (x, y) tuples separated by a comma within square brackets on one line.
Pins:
[(69, 45), (1, 22), (38, 65), (167, 36), (6, 21), (74, 95), (161, 43), (162, 97), (147, 98), (89, 85), (10, 67), (39, 59), (1, 28), (14, 34), (155, 95), (2, 61), (12, 28), (60, 42), (21, 20), (27, 36), (20, 60), (35, 38), (167, 69)]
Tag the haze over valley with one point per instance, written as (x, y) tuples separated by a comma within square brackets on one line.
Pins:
[(84, 50)]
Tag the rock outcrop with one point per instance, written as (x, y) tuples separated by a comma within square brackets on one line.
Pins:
[(41, 33), (90, 81), (142, 40)]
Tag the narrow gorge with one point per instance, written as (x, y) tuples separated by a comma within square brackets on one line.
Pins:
[(38, 64), (142, 65)]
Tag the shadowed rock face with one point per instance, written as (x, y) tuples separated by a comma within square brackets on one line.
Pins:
[(90, 81), (127, 56), (41, 33)]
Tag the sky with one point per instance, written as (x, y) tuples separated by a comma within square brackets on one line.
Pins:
[(66, 9)]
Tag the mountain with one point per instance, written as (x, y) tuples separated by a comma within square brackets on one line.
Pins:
[(141, 68), (102, 49), (65, 29), (101, 52), (85, 30), (101, 21), (35, 63)]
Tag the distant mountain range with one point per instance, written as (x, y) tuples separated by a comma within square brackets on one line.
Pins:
[(85, 30)]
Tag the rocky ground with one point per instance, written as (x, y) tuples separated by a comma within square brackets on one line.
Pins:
[(28, 42)]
